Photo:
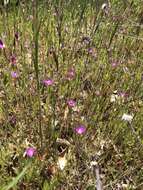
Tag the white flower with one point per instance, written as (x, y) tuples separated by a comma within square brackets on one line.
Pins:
[(104, 6), (6, 2), (114, 97), (62, 162), (127, 117)]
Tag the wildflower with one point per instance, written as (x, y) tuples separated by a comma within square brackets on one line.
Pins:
[(92, 52), (86, 40), (6, 2), (14, 74), (2, 45), (70, 74), (104, 6), (30, 152), (123, 94), (71, 103), (118, 96), (80, 129), (114, 64), (12, 120), (48, 82), (62, 162), (127, 117), (113, 98)]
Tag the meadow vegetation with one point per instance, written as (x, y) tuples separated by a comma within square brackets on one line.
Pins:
[(71, 95)]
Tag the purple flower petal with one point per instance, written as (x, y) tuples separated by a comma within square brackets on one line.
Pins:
[(30, 152), (114, 64), (71, 103), (71, 74), (48, 82), (80, 129), (123, 94), (14, 74)]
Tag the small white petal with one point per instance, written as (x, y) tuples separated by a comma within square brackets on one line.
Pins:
[(127, 117), (104, 5), (62, 162), (93, 163), (114, 97)]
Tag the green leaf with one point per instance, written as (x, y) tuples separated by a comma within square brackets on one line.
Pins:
[(16, 179)]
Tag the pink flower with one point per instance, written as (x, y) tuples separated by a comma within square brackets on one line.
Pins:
[(30, 152), (2, 45), (71, 103), (48, 82), (123, 94), (71, 74), (14, 74), (114, 64), (80, 129)]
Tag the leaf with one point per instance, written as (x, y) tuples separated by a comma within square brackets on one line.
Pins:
[(16, 179), (46, 186)]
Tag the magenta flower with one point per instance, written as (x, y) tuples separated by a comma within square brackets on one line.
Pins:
[(48, 82), (30, 152), (80, 129), (123, 94), (114, 64), (2, 45), (71, 74), (14, 74), (71, 103)]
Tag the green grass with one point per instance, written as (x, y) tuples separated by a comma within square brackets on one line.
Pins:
[(55, 37)]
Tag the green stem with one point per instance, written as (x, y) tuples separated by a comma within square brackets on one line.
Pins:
[(36, 28)]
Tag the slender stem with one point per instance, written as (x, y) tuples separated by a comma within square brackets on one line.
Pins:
[(36, 27)]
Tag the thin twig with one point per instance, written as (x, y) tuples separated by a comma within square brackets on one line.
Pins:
[(97, 174)]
